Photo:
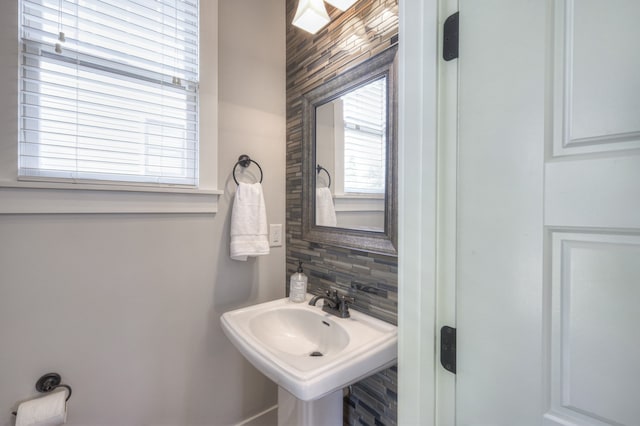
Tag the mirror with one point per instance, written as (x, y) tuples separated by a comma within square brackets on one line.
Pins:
[(349, 158), (351, 141)]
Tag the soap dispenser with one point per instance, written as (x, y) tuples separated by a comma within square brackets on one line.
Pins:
[(298, 286)]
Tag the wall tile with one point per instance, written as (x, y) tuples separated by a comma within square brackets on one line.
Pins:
[(351, 37)]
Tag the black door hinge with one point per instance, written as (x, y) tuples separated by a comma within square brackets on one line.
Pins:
[(448, 348), (450, 38)]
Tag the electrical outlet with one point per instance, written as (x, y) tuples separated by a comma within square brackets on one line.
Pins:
[(275, 235)]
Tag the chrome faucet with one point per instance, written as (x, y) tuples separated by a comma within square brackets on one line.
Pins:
[(334, 303)]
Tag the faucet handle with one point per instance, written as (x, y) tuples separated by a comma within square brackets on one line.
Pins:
[(343, 305), (347, 299)]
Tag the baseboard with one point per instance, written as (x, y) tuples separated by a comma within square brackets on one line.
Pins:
[(268, 417)]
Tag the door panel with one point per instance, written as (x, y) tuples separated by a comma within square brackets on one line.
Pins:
[(594, 318), (601, 56), (548, 250)]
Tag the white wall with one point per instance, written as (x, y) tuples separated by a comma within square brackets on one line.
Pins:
[(127, 307)]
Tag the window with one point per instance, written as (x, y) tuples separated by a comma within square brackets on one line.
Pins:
[(109, 91), (364, 113)]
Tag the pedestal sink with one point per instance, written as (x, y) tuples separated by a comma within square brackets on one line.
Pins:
[(311, 355)]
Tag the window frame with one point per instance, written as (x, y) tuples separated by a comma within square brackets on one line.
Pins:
[(28, 197)]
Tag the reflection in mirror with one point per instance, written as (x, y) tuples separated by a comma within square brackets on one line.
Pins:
[(349, 158), (351, 146)]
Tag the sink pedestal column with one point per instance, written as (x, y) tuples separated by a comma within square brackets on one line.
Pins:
[(326, 411)]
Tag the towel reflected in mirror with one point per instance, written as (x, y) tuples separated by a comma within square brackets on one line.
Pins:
[(325, 210)]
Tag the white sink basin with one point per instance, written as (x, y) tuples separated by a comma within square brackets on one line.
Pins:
[(308, 352)]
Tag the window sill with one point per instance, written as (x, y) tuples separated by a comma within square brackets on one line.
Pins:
[(359, 203), (42, 198), (359, 196)]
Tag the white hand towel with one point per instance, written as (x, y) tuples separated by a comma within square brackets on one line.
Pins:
[(248, 222), (325, 211)]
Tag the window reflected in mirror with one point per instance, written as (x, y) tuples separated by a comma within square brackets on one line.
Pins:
[(351, 147)]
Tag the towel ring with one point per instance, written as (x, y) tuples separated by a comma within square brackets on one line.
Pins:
[(245, 162), (319, 168)]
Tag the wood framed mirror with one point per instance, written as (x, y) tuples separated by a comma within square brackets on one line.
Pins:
[(349, 164)]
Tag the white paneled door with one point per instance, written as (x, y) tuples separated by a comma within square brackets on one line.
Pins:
[(548, 213)]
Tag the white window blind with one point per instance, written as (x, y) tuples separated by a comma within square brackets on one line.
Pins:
[(108, 91), (365, 138)]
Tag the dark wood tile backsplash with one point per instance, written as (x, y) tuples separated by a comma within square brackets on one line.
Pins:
[(367, 28)]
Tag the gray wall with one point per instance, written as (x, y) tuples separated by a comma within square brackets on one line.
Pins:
[(127, 307)]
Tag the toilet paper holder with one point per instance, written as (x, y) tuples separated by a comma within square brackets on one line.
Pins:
[(51, 381), (48, 383)]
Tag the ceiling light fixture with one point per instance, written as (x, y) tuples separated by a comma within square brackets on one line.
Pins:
[(311, 15), (341, 4)]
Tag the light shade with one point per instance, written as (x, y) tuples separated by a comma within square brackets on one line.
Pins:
[(341, 4), (311, 15)]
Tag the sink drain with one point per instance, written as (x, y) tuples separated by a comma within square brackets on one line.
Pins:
[(315, 353)]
